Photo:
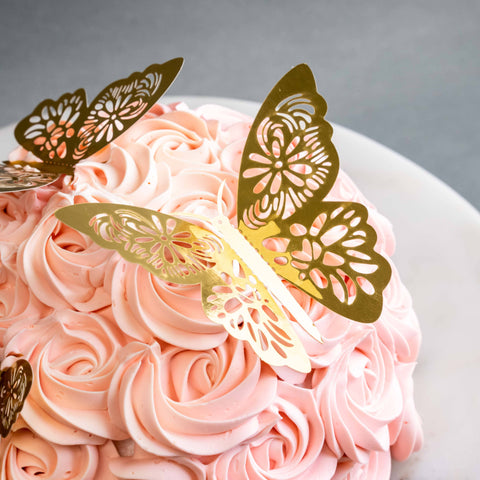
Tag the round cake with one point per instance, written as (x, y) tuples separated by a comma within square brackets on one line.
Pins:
[(131, 380)]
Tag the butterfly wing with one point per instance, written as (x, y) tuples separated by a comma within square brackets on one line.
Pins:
[(117, 107), (50, 131), (15, 384), (288, 166), (181, 252), (234, 297), (329, 254), (170, 248), (14, 178), (62, 132), (288, 157)]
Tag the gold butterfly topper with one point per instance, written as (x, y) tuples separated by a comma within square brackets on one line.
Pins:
[(285, 230), (64, 131), (15, 383)]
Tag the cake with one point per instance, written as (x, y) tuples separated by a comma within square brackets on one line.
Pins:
[(133, 381)]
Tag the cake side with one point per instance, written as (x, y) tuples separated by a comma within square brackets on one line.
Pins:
[(211, 408)]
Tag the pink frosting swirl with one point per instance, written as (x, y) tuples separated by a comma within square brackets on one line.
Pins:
[(226, 126), (339, 334), (229, 129), (199, 402), (63, 267), (123, 175), (398, 328), (378, 467), (145, 466), (25, 455), (359, 396), (406, 435), (292, 449), (73, 357), (146, 307), (196, 191), (179, 139), (20, 212), (18, 305)]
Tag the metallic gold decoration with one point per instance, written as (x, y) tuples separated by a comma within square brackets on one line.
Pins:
[(324, 248), (180, 252), (15, 383), (14, 178), (62, 132), (288, 159), (288, 166)]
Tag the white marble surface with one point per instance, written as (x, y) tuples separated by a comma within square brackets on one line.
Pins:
[(438, 234)]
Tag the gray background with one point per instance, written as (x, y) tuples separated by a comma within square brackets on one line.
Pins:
[(404, 73)]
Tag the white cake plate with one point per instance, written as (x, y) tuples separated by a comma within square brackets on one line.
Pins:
[(438, 242)]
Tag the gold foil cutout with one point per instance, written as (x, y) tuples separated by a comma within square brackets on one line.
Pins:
[(234, 292), (64, 131), (288, 166), (15, 384), (14, 178)]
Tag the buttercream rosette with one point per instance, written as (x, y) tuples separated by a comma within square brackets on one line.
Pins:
[(121, 357)]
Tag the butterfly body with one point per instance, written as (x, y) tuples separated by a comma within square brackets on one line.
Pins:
[(262, 270)]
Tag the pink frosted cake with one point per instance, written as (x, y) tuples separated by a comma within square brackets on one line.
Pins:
[(132, 381)]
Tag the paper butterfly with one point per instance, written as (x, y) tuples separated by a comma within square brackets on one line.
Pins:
[(324, 248), (15, 383), (62, 132)]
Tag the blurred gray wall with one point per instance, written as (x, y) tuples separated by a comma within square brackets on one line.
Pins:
[(404, 73)]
